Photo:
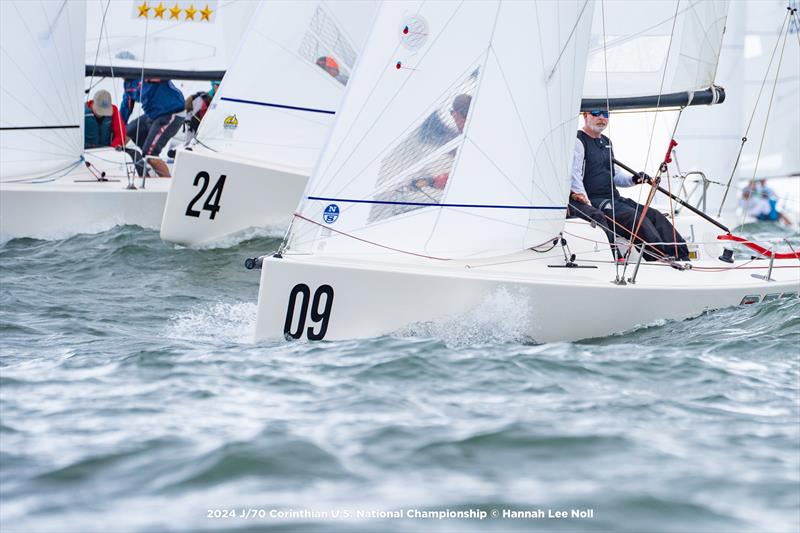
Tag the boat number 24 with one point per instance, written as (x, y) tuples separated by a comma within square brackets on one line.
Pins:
[(212, 200), (319, 313)]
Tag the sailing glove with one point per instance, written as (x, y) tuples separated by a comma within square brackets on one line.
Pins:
[(642, 177)]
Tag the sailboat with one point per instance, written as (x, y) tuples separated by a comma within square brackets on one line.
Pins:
[(258, 142), (50, 187), (719, 148), (445, 180)]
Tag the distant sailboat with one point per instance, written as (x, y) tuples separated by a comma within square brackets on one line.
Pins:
[(261, 137), (445, 181)]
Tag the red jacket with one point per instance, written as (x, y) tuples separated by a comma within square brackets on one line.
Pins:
[(117, 126)]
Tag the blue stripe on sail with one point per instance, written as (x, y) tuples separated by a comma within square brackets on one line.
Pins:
[(279, 106), (425, 204)]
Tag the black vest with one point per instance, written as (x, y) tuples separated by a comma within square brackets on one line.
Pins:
[(597, 173)]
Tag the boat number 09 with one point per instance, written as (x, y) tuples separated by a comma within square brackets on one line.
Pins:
[(212, 202), (320, 312)]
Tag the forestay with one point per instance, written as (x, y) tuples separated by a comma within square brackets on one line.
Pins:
[(41, 64), (278, 98), (456, 135), (656, 47)]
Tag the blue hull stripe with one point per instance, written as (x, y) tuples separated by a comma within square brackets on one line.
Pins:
[(279, 106), (424, 204)]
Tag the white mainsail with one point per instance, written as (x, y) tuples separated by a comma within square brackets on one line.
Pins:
[(400, 168), (276, 103), (654, 48), (41, 75)]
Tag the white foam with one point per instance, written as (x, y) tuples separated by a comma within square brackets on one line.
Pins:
[(240, 236), (500, 317), (220, 321)]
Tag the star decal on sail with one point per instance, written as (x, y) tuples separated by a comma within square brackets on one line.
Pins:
[(190, 13), (175, 12), (205, 14), (159, 11), (143, 9)]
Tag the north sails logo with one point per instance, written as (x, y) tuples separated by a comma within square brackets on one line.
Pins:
[(330, 214)]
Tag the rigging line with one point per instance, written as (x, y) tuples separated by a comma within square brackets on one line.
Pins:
[(372, 91), (298, 215), (669, 188), (41, 179), (752, 116), (651, 194), (127, 162), (569, 38), (141, 103), (796, 25), (610, 151), (99, 42), (766, 121)]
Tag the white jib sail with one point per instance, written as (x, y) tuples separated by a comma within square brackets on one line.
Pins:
[(178, 35), (278, 98), (637, 44), (41, 80), (456, 135)]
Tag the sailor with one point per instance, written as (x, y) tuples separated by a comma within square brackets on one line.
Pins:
[(163, 115), (103, 124), (760, 202), (592, 180), (331, 66)]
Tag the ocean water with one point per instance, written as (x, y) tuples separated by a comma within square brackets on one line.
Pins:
[(132, 398)]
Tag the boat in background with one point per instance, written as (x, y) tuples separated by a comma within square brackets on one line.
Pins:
[(444, 183), (262, 135), (50, 187)]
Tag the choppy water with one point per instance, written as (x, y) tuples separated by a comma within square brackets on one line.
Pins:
[(132, 399)]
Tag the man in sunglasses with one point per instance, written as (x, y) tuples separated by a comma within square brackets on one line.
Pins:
[(594, 184)]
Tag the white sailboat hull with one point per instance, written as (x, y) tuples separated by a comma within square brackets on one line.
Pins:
[(203, 207), (547, 304), (78, 203)]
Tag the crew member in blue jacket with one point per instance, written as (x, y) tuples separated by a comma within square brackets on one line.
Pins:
[(163, 115)]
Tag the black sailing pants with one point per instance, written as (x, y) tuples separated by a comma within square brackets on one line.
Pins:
[(655, 228), (592, 214)]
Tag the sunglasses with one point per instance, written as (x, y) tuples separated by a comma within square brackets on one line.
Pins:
[(596, 113)]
